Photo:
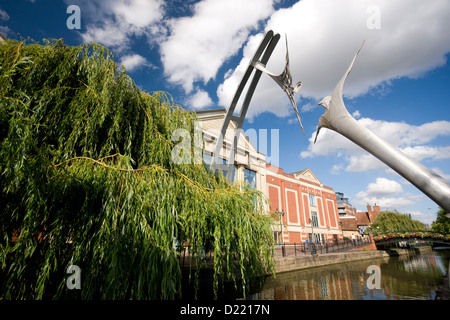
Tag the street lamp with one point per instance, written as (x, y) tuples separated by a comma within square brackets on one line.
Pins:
[(281, 213), (312, 230), (313, 246)]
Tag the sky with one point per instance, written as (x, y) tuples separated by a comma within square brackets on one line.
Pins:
[(198, 51)]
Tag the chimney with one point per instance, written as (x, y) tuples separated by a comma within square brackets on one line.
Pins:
[(376, 209), (373, 213)]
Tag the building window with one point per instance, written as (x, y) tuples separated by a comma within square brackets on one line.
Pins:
[(250, 177), (315, 220), (312, 200), (277, 237), (207, 158)]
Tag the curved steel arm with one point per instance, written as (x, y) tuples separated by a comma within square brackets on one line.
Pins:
[(337, 118), (284, 80), (264, 52)]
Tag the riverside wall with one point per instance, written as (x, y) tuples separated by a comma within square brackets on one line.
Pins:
[(287, 264)]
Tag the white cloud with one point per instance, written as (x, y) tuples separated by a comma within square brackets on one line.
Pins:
[(441, 173), (4, 15), (388, 194), (199, 45), (381, 187), (336, 169), (109, 34), (308, 107), (113, 22), (199, 100), (6, 31), (356, 114), (133, 61), (411, 139), (392, 203), (323, 36), (423, 152)]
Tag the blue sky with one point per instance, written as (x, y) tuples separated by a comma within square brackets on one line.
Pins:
[(198, 50)]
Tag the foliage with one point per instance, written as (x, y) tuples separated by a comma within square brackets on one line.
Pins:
[(411, 235), (388, 221), (87, 180), (442, 223)]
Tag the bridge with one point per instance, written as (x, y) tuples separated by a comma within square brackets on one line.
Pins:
[(382, 239)]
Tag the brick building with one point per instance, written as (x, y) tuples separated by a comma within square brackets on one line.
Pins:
[(309, 207)]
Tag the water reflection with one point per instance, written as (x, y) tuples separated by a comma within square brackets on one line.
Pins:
[(404, 277)]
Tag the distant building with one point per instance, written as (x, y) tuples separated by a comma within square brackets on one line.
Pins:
[(347, 216), (365, 219), (344, 207), (2, 39)]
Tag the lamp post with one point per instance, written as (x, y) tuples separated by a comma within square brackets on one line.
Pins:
[(313, 245), (281, 214), (312, 230), (342, 230)]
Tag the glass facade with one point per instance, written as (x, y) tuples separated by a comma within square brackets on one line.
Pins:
[(250, 177), (207, 161), (312, 200), (315, 220)]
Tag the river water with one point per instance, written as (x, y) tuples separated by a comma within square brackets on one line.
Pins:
[(395, 278)]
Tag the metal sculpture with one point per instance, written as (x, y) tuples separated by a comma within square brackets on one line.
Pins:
[(265, 50), (284, 80), (337, 118)]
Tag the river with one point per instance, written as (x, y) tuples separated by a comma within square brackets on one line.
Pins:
[(395, 278)]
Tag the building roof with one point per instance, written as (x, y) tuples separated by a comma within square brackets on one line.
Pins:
[(306, 174), (349, 223), (362, 218)]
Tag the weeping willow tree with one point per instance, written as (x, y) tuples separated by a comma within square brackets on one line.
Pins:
[(388, 221), (87, 179)]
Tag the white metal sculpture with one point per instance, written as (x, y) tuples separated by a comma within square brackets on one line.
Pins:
[(257, 64), (337, 118), (284, 80)]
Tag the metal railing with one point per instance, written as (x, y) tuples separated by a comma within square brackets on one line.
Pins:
[(283, 250), (298, 249)]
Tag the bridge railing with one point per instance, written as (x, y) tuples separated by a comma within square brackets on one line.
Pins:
[(411, 235)]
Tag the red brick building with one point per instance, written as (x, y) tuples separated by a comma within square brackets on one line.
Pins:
[(310, 208)]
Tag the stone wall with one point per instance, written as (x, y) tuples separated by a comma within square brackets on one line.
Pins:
[(287, 264)]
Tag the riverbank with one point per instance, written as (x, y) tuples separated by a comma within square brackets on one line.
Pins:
[(443, 291), (290, 263)]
